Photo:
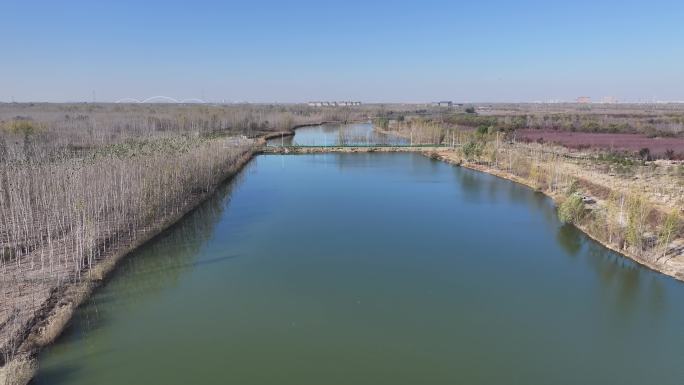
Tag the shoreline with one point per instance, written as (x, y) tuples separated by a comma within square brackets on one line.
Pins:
[(677, 274), (54, 315), (50, 320), (434, 153)]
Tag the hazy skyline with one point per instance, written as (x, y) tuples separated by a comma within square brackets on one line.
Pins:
[(309, 50)]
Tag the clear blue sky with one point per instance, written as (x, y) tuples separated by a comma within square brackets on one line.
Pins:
[(292, 51)]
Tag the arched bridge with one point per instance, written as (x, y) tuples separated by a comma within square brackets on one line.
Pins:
[(161, 99)]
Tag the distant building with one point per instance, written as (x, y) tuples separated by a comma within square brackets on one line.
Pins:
[(349, 103), (334, 104), (584, 100), (444, 104), (609, 100)]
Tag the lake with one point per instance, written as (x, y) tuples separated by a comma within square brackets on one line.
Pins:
[(373, 268)]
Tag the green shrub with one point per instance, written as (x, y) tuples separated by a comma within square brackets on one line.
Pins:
[(571, 210), (638, 209), (472, 150), (572, 188), (669, 229)]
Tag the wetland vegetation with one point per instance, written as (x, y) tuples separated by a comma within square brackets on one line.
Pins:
[(84, 185)]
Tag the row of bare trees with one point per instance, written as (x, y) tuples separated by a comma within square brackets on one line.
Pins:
[(78, 182)]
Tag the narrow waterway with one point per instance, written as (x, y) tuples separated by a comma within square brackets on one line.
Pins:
[(337, 134), (374, 269)]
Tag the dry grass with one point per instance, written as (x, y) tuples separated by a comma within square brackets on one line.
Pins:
[(19, 371)]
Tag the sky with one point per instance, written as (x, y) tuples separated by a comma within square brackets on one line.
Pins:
[(370, 51)]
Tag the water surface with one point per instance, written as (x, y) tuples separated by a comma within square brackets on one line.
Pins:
[(374, 269), (338, 134)]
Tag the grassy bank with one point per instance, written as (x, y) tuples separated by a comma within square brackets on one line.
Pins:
[(624, 221)]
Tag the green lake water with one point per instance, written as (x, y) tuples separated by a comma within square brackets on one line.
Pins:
[(373, 269)]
